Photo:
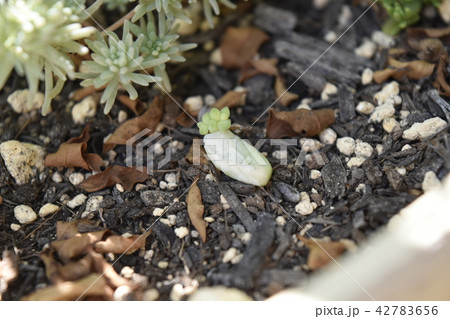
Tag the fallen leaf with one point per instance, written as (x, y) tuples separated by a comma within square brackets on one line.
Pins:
[(65, 230), (239, 46), (196, 209), (185, 120), (101, 266), (77, 245), (112, 175), (199, 156), (231, 99), (73, 154), (322, 251), (301, 122), (134, 105), (9, 270), (148, 120), (436, 33), (120, 244), (441, 77), (413, 70), (92, 285), (261, 66), (285, 97)]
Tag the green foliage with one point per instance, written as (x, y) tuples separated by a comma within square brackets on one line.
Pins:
[(120, 5), (403, 13), (215, 121)]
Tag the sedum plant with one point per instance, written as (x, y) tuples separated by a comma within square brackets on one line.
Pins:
[(37, 38), (235, 157)]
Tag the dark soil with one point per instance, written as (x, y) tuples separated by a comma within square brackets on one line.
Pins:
[(273, 259)]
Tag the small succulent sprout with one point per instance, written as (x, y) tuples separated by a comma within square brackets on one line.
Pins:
[(235, 157)]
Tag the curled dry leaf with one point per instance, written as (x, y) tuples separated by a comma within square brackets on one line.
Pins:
[(65, 230), (121, 244), (73, 154), (134, 105), (261, 66), (441, 77), (413, 70), (9, 270), (112, 175), (91, 285), (322, 251), (284, 97), (199, 157), (148, 120), (301, 122), (196, 209), (239, 46), (231, 99)]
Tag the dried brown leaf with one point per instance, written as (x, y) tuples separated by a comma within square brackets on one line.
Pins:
[(441, 77), (77, 245), (436, 33), (73, 154), (112, 175), (301, 122), (65, 230), (121, 244), (231, 99), (92, 285), (196, 209), (239, 46), (261, 66), (101, 266), (413, 70), (185, 120), (199, 158), (322, 251), (134, 105), (285, 97), (148, 120)]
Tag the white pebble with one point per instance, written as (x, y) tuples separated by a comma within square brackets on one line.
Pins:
[(77, 201), (310, 144), (382, 112), (122, 116), (406, 147), (366, 49), (24, 214), (355, 162), (304, 208), (382, 39), (430, 181), (76, 178), (364, 107), (163, 264), (48, 209), (194, 103), (209, 99), (209, 219), (320, 4), (304, 197), (172, 219), (22, 160), (216, 57), (150, 294), (346, 145), (237, 259), (163, 184), (330, 36), (209, 178), (390, 125), (93, 203), (171, 186), (363, 149), (401, 170), (328, 136), (224, 202), (158, 211), (123, 293), (360, 188), (195, 234), (280, 154), (229, 255), (18, 101), (56, 177), (177, 292), (159, 150), (329, 89), (345, 18), (379, 148), (389, 90), (171, 178), (84, 109), (246, 237), (315, 174), (281, 221), (120, 188), (181, 232), (367, 76), (425, 129), (14, 227)]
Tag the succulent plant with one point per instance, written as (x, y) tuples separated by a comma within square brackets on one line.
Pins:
[(120, 5), (36, 37), (117, 63)]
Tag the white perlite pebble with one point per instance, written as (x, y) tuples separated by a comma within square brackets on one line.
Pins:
[(430, 181), (379, 148), (280, 155), (355, 162), (159, 150), (194, 103), (390, 125), (365, 107), (120, 188), (93, 204), (246, 237), (158, 212), (367, 76), (281, 221), (405, 147), (329, 89), (224, 203), (216, 57), (163, 264), (122, 116), (77, 201), (56, 177), (84, 110), (18, 101), (425, 129), (401, 170), (363, 149), (76, 178), (24, 214), (328, 136), (389, 90), (22, 160), (346, 145), (315, 174), (14, 227), (382, 39), (382, 112), (330, 36), (360, 188), (181, 232), (229, 255), (48, 209), (304, 208), (320, 4), (310, 144), (171, 178), (366, 49)]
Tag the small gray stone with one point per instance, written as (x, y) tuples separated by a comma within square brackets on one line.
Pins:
[(157, 198), (288, 192), (273, 19)]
